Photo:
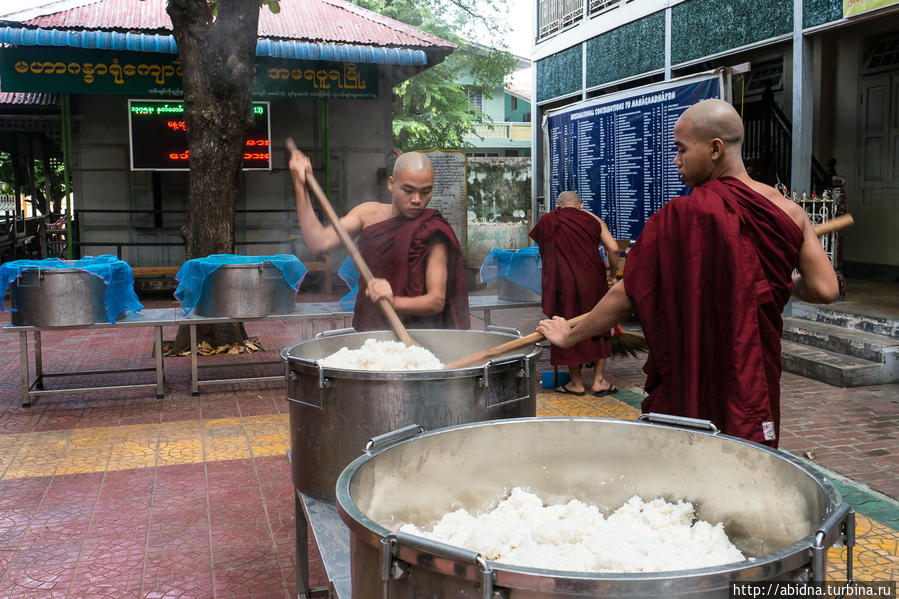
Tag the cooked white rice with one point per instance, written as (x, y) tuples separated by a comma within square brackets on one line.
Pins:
[(654, 536), (383, 355)]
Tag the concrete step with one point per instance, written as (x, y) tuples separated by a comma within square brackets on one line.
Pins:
[(826, 315), (842, 340), (830, 367)]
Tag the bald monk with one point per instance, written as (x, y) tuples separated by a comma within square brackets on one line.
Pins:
[(411, 249), (708, 279), (574, 279)]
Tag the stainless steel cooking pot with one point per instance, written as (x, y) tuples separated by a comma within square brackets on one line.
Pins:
[(773, 508), (507, 290), (57, 297), (246, 291), (334, 412)]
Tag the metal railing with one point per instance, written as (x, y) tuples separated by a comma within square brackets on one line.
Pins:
[(555, 15), (504, 130)]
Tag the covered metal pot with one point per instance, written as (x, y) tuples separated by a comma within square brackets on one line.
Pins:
[(773, 508), (246, 291), (58, 297), (334, 412)]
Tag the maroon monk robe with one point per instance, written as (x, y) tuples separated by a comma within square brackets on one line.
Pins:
[(709, 277), (396, 249), (574, 277)]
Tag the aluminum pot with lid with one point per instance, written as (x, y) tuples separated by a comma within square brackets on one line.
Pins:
[(246, 291), (776, 511), (334, 411), (57, 297)]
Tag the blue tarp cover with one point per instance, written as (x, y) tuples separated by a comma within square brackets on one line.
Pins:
[(350, 275), (193, 273), (119, 297), (522, 267)]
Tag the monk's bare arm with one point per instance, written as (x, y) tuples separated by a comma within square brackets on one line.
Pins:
[(614, 307), (816, 282), (434, 298), (318, 238), (611, 247)]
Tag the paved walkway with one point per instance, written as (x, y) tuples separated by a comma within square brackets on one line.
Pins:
[(118, 494)]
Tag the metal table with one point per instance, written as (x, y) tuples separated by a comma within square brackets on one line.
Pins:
[(332, 538), (308, 313), (153, 317)]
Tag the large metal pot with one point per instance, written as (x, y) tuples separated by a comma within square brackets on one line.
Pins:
[(507, 290), (58, 297), (334, 412), (772, 507), (246, 291)]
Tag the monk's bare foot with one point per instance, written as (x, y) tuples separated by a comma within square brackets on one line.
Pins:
[(603, 387)]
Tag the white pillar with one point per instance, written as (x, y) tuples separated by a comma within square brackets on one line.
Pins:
[(668, 43), (803, 108)]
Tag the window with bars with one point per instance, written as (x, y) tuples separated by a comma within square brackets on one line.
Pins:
[(555, 15), (475, 100), (882, 55)]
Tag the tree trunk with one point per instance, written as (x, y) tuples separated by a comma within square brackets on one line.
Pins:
[(218, 63)]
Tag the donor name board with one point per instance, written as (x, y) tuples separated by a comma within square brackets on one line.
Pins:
[(617, 151), (158, 135)]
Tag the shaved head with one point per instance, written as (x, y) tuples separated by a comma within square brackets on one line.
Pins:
[(412, 162), (568, 199), (715, 119)]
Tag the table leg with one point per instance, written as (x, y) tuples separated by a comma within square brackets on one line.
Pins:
[(160, 375), (194, 380), (26, 377), (38, 361), (486, 317), (302, 534)]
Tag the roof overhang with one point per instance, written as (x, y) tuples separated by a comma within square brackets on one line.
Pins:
[(142, 42)]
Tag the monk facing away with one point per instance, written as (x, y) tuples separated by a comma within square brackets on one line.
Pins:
[(411, 249), (574, 279), (708, 279)]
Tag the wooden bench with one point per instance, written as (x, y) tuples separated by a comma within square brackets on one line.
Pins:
[(154, 271)]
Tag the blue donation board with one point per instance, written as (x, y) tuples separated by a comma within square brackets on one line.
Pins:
[(617, 151)]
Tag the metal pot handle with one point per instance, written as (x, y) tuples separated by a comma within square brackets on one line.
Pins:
[(526, 369), (393, 437), (841, 522), (498, 329), (333, 332), (323, 383), (681, 421), (391, 568)]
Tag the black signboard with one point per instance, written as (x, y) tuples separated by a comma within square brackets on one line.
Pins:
[(159, 142), (617, 151)]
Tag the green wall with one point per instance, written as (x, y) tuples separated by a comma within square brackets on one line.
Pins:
[(704, 27), (629, 50), (559, 74), (818, 12), (516, 115)]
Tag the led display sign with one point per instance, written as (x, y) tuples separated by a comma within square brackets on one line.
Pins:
[(159, 140)]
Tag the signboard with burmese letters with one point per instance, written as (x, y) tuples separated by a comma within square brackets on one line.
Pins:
[(78, 71)]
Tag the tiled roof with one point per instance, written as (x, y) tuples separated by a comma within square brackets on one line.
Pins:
[(327, 21)]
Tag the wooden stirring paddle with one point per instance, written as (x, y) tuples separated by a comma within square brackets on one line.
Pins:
[(396, 325), (834, 224)]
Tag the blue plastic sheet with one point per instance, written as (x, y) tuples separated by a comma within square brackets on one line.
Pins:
[(119, 296), (522, 267), (350, 275), (193, 273)]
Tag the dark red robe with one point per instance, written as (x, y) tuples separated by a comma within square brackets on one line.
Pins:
[(574, 277), (709, 277), (396, 249)]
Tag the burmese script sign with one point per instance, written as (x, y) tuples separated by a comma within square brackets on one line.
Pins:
[(74, 71), (857, 7)]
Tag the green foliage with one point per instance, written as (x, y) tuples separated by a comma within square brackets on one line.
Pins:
[(431, 110)]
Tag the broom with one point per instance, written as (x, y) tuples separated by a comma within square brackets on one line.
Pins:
[(626, 343)]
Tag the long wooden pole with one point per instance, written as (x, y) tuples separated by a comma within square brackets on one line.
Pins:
[(834, 224), (396, 325)]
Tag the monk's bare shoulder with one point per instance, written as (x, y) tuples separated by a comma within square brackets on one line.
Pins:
[(370, 213), (793, 210)]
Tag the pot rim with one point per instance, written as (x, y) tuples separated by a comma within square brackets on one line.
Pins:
[(526, 578), (348, 373)]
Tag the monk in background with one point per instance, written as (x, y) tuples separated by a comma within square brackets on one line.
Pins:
[(708, 279), (574, 279), (411, 249)]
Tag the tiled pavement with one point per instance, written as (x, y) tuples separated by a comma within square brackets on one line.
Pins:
[(118, 494)]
